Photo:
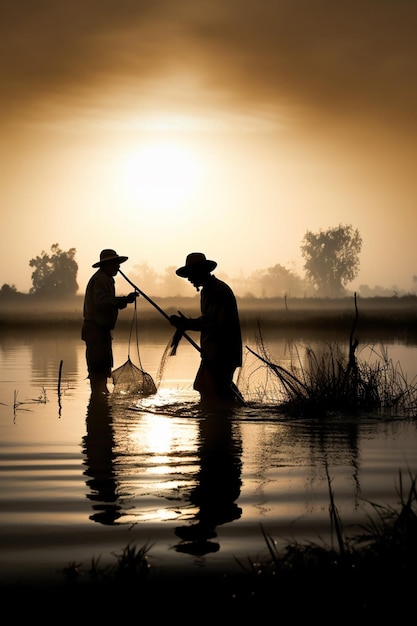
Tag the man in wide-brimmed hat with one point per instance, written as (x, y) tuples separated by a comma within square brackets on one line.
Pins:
[(220, 333), (101, 308)]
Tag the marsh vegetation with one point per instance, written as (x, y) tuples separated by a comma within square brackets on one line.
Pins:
[(369, 574)]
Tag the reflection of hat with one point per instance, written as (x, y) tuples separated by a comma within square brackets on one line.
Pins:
[(109, 255), (195, 262)]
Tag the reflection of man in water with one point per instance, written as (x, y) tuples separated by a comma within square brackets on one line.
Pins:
[(218, 484), (98, 446)]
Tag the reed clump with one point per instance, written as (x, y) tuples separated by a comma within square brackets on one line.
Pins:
[(334, 380), (367, 575), (370, 574), (131, 568)]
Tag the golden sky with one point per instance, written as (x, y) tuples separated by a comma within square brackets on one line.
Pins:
[(231, 127)]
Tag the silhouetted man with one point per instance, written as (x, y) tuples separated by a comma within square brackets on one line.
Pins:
[(101, 308), (220, 333)]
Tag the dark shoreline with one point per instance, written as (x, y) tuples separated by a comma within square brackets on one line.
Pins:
[(372, 322)]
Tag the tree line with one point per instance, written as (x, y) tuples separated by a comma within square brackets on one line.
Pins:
[(331, 262)]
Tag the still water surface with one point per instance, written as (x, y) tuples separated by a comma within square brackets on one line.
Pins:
[(82, 480)]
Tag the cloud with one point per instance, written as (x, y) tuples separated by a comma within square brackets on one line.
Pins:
[(314, 60)]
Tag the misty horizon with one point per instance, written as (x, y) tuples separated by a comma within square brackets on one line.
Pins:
[(226, 129)]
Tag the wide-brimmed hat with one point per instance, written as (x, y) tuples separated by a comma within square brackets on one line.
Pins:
[(109, 255), (195, 262)]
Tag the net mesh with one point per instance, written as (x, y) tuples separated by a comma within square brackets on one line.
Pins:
[(129, 380)]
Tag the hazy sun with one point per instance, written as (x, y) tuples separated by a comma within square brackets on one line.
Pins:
[(161, 176)]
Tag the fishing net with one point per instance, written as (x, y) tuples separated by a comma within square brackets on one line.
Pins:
[(170, 350), (130, 379)]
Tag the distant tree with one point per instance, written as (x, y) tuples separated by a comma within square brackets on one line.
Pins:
[(273, 282), (377, 291), (332, 258), (8, 290), (146, 278), (55, 274), (171, 285)]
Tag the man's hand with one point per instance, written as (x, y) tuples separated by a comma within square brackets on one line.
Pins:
[(132, 297), (178, 321)]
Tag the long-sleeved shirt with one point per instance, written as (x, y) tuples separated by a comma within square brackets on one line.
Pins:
[(101, 305), (219, 325)]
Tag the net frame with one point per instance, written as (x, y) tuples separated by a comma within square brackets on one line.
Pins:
[(130, 379)]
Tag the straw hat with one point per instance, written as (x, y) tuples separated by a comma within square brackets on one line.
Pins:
[(195, 262), (109, 255)]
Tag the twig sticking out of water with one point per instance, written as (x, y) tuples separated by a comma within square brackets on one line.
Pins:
[(41, 399), (59, 388)]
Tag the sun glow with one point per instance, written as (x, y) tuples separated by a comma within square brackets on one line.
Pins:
[(161, 176)]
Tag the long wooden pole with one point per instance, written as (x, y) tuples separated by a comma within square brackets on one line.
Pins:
[(158, 308)]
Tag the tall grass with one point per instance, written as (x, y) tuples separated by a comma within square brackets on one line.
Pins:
[(335, 380), (372, 573), (369, 575)]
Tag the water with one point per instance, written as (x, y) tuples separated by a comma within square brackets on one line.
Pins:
[(82, 481)]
